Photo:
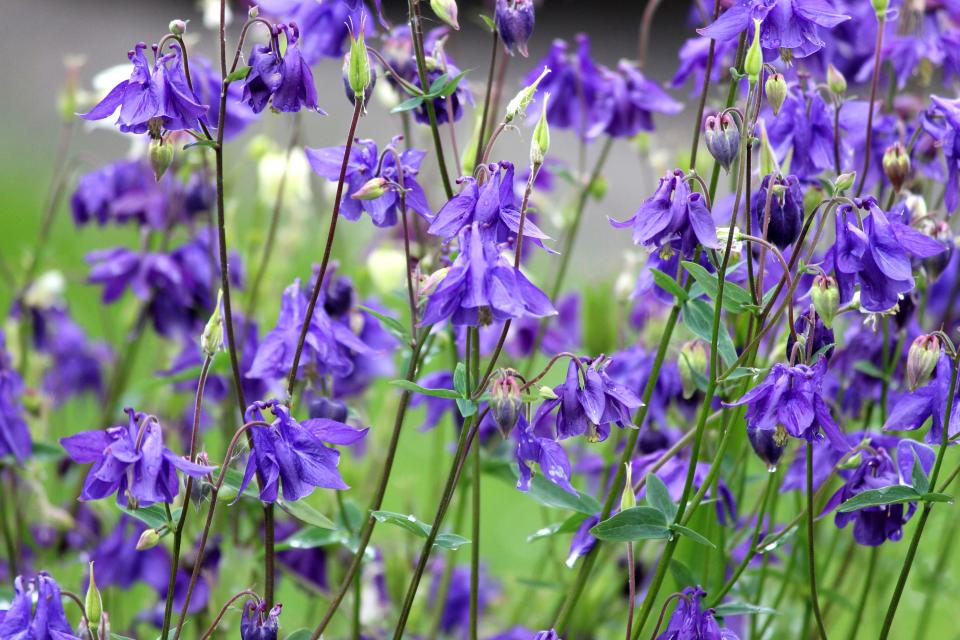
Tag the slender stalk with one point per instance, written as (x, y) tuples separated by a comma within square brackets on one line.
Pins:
[(874, 81), (864, 592), (646, 21), (631, 589), (494, 48), (223, 611), (704, 90), (811, 561), (8, 537), (475, 549)]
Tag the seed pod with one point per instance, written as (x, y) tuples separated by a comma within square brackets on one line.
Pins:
[(93, 603), (776, 90), (540, 142)]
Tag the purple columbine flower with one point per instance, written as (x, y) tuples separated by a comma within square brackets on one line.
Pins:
[(455, 609), (152, 99), (588, 406), (910, 411), (120, 192), (14, 432), (130, 461), (673, 212), (691, 621), (693, 61), (786, 210), (365, 164), (47, 622), (295, 454), (627, 102), (532, 449), (879, 256), (449, 108), (872, 526), (327, 347), (493, 206), (789, 402), (482, 286), (803, 130), (207, 82), (514, 20), (258, 623), (788, 27), (323, 25), (75, 366), (286, 83), (942, 123)]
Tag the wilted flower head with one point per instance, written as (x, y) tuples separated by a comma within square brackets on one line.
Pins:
[(47, 622)]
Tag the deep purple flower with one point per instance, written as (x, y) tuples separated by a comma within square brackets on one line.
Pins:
[(493, 206), (910, 411), (75, 362), (323, 25), (632, 367), (14, 432), (326, 348), (803, 131), (482, 286), (942, 123), (365, 164), (286, 83), (294, 453), (673, 212), (207, 82), (532, 449), (258, 623), (514, 20), (47, 622), (790, 400), (875, 525), (786, 210), (123, 191), (627, 102), (690, 621), (588, 406), (130, 461), (152, 99), (788, 26), (814, 338)]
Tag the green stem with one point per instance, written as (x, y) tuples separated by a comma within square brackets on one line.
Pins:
[(475, 503), (874, 81), (811, 561), (864, 592)]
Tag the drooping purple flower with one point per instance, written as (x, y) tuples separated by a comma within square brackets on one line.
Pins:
[(493, 206), (365, 164), (588, 406), (910, 411), (326, 348), (482, 286), (47, 622), (286, 82), (693, 61), (130, 461), (942, 123), (123, 191), (632, 367), (814, 336), (323, 25), (627, 102), (790, 400), (673, 212), (786, 210), (207, 83), (803, 131), (875, 525), (790, 27), (532, 449), (152, 99), (14, 432), (514, 20), (293, 456), (690, 621), (76, 363), (258, 623)]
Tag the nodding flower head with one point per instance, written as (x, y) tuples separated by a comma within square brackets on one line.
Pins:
[(785, 211), (284, 82), (722, 137), (258, 623), (514, 20), (506, 401)]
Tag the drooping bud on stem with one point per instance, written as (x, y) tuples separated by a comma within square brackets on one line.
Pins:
[(692, 363), (836, 81), (161, 157), (178, 27), (825, 295), (148, 540), (776, 89), (211, 340), (768, 444), (506, 400), (540, 143), (753, 62), (896, 164), (722, 137), (446, 10), (922, 360), (628, 498)]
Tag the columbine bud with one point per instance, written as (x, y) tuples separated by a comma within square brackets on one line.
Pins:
[(540, 142), (547, 393), (325, 408), (786, 209), (776, 90), (836, 81), (514, 20), (722, 137), (825, 295), (446, 10), (691, 362), (359, 74), (505, 401), (938, 230), (253, 12), (628, 498), (844, 181), (753, 62), (93, 604), (517, 108), (880, 8), (922, 360), (768, 444), (211, 340), (896, 164), (148, 540), (161, 157), (177, 27), (372, 189)]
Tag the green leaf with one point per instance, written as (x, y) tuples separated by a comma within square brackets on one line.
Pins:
[(669, 285), (460, 379), (487, 20), (390, 324), (870, 369), (451, 85), (543, 491), (693, 535), (437, 85), (567, 526), (306, 514), (894, 494), (420, 529), (210, 144), (635, 523), (698, 317), (300, 634), (239, 74), (311, 538), (937, 497), (734, 297), (920, 481), (740, 608), (408, 104), (658, 497), (154, 516), (466, 406), (682, 574), (449, 394)]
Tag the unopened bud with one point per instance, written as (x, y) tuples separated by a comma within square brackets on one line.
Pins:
[(844, 181), (211, 340), (517, 108), (825, 295), (628, 498), (896, 164), (429, 283), (446, 10), (178, 27), (359, 74), (161, 157), (776, 90), (506, 401), (148, 540), (692, 364), (768, 444), (253, 12), (722, 138), (93, 604), (880, 8), (541, 136), (547, 393), (836, 81), (922, 360), (371, 189), (753, 62)]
